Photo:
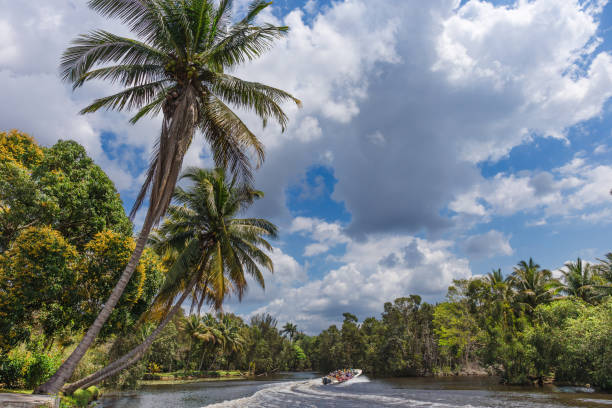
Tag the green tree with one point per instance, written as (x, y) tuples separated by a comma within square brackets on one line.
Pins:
[(579, 280), (84, 199), (38, 276), (177, 68), (105, 258), (19, 148), (216, 247), (290, 330), (192, 328), (457, 330), (532, 284), (20, 198), (587, 350), (58, 186)]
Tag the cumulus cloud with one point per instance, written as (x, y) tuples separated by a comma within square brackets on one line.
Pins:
[(366, 279), (578, 189), (327, 235), (488, 245), (288, 273)]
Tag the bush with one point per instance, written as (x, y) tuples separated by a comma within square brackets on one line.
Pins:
[(41, 369), (95, 392), (12, 369), (82, 397)]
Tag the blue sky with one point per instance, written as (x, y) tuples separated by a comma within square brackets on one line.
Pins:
[(438, 140)]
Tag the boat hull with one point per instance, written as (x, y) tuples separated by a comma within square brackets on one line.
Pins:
[(330, 380)]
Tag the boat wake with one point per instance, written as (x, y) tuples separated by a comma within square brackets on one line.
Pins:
[(360, 379), (312, 393)]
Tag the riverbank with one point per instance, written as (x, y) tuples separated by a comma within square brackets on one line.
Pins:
[(181, 377)]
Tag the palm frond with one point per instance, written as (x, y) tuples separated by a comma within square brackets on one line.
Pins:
[(128, 99), (243, 43), (100, 47), (264, 100)]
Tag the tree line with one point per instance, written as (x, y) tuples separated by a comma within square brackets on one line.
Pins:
[(526, 327)]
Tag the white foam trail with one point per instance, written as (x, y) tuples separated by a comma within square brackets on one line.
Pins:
[(313, 394)]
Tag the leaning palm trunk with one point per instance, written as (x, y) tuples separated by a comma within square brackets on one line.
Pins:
[(133, 355), (175, 138)]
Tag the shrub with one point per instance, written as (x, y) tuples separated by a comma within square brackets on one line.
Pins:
[(41, 368), (12, 369), (82, 397), (95, 392)]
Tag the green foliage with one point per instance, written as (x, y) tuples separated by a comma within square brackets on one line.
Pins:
[(586, 347), (82, 398), (19, 148), (457, 331), (58, 186), (107, 254), (94, 391), (36, 275), (85, 200), (23, 368)]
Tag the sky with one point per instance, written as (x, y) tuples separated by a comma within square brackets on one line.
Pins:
[(438, 140)]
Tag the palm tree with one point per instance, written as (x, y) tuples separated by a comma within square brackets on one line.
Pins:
[(192, 327), (532, 284), (176, 67), (233, 340), (604, 274), (290, 330), (498, 286), (580, 281), (217, 248), (210, 335)]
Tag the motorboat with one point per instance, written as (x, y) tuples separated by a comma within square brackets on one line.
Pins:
[(340, 376)]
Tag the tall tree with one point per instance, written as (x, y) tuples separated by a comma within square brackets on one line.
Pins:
[(191, 326), (217, 248), (579, 280), (177, 68), (533, 284), (59, 186), (289, 329)]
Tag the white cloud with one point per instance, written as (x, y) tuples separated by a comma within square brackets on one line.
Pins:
[(579, 188), (601, 149), (488, 245), (531, 52), (288, 273), (327, 235), (363, 283), (377, 138)]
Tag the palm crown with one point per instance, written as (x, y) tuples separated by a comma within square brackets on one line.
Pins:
[(533, 284), (177, 67), (213, 244)]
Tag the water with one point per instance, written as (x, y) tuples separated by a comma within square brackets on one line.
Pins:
[(306, 390)]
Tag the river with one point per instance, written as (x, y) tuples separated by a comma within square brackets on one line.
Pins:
[(306, 390)]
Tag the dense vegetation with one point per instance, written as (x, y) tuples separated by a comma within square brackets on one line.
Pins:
[(528, 327), (64, 241)]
